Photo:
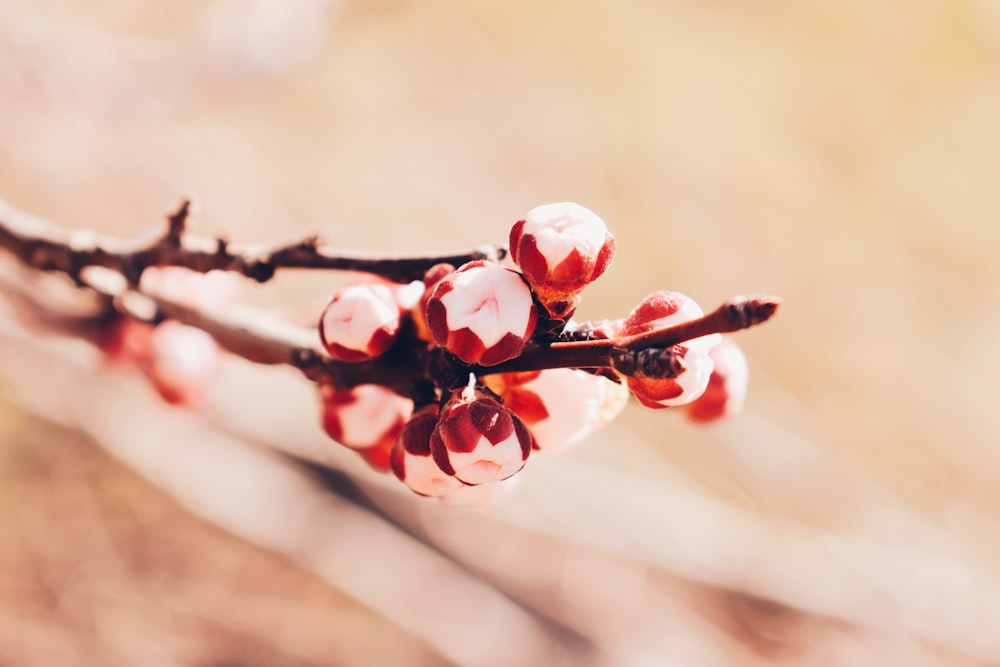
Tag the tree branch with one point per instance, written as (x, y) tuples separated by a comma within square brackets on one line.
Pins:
[(111, 267), (47, 247), (630, 354)]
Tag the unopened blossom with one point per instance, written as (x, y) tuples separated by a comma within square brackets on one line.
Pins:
[(482, 313), (360, 322), (367, 418), (183, 362), (478, 440), (727, 387), (561, 406), (411, 459), (662, 310), (561, 248)]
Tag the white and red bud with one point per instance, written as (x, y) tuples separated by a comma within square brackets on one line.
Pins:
[(367, 418), (183, 362), (478, 440), (482, 313), (411, 459), (360, 322), (662, 310), (561, 406), (560, 249), (727, 387)]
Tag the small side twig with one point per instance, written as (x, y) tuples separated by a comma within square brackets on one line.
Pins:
[(623, 353)]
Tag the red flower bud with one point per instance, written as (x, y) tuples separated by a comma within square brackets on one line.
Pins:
[(561, 248), (183, 362), (367, 418), (411, 459), (478, 440), (661, 310), (482, 313), (360, 322)]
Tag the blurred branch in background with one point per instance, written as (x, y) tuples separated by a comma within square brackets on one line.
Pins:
[(841, 155)]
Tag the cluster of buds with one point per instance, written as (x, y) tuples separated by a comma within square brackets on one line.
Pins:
[(450, 381), (496, 330)]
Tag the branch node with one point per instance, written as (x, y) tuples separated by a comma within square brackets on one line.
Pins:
[(651, 362), (259, 270)]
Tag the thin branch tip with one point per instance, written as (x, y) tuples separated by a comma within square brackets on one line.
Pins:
[(754, 309), (177, 222)]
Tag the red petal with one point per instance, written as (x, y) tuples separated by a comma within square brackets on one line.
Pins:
[(491, 420), (416, 435), (506, 348), (515, 239), (654, 389), (526, 404), (531, 262), (440, 453), (465, 345)]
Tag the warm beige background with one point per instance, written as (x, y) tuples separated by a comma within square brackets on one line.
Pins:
[(843, 155)]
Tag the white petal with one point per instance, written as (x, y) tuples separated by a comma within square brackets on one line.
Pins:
[(690, 310), (695, 378), (491, 301), (375, 411), (559, 228), (577, 402), (488, 462), (423, 476)]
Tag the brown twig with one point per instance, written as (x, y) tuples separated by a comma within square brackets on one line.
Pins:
[(257, 336), (47, 247), (640, 352)]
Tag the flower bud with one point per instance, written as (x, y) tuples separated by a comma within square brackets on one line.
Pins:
[(411, 459), (561, 248), (727, 387), (662, 310), (360, 322), (482, 313), (183, 362), (478, 440), (367, 418), (561, 406)]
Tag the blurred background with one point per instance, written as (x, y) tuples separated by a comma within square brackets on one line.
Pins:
[(845, 156)]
